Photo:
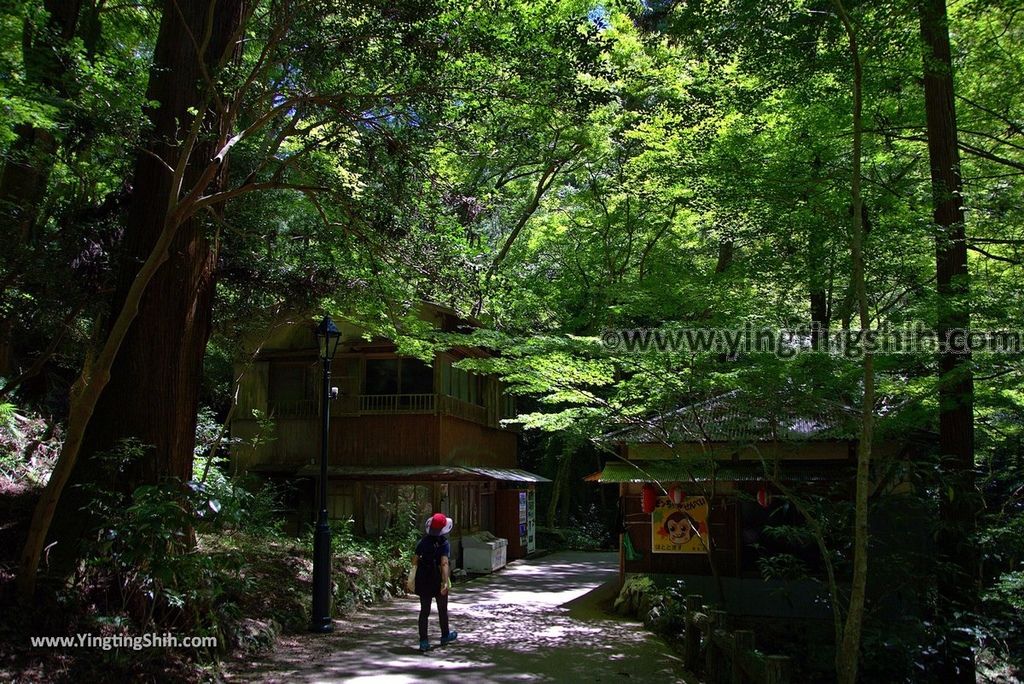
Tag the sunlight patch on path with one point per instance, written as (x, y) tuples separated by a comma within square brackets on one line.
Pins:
[(513, 627)]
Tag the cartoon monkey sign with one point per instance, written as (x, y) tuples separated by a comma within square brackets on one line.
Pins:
[(680, 528)]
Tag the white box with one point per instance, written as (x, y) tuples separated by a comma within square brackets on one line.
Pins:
[(483, 552)]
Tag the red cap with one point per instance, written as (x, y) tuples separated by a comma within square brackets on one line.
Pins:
[(438, 521)]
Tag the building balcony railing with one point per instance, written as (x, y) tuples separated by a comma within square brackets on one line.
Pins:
[(450, 406), (373, 404), (422, 403), (397, 403)]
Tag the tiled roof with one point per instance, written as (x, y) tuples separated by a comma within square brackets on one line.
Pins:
[(431, 472), (739, 417), (678, 471)]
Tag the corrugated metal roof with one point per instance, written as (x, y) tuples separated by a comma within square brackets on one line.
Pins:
[(431, 472), (740, 418), (509, 474), (675, 471)]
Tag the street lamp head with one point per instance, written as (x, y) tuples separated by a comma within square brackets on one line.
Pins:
[(327, 336)]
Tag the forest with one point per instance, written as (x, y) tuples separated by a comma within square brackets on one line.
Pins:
[(615, 191)]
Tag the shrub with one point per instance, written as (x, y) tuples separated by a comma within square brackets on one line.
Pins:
[(375, 569), (28, 446), (666, 613), (8, 440), (142, 559), (224, 502), (662, 609), (142, 554), (587, 532), (1003, 606)]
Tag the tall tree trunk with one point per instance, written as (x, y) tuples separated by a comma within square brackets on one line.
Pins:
[(819, 314), (726, 249), (958, 586), (848, 651), (563, 486), (31, 156), (817, 273), (818, 294), (154, 384)]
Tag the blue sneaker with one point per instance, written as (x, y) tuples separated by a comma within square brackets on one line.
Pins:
[(424, 645), (452, 636)]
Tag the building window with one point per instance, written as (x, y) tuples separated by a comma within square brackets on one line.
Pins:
[(345, 375), (381, 376), (398, 376), (292, 390), (464, 385), (464, 506), (416, 377), (384, 503)]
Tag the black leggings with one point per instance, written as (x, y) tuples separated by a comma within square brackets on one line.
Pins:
[(442, 614)]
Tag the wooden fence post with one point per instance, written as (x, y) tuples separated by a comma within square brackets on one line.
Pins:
[(713, 659), (776, 670), (742, 644), (691, 634)]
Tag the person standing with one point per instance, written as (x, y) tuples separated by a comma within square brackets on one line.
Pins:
[(432, 581)]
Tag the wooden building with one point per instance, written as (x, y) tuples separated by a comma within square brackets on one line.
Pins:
[(715, 475), (400, 429)]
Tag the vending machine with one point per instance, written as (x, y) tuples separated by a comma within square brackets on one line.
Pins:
[(531, 520), (517, 520)]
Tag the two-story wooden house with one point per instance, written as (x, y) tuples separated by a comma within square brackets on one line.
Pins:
[(400, 429)]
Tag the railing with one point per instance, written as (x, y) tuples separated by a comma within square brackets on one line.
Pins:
[(297, 408), (728, 656), (396, 403), (450, 406), (382, 404)]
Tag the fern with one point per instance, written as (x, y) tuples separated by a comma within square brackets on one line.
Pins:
[(6, 414), (8, 440)]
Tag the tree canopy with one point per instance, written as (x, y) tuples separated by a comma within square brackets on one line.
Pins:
[(181, 175)]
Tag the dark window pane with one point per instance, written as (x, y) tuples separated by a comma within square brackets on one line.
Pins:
[(345, 376), (381, 376), (460, 384), (289, 382), (344, 368), (417, 377)]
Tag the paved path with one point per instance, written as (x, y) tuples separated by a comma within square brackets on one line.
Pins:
[(534, 621)]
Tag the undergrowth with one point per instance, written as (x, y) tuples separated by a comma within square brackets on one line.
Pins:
[(206, 557)]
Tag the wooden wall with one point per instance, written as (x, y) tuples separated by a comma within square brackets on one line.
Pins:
[(252, 388), (380, 440), (384, 440), (466, 443), (296, 442), (722, 528)]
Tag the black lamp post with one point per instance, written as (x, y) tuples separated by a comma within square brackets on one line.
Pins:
[(327, 336)]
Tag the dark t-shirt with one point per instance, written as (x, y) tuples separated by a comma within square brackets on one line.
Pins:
[(428, 569)]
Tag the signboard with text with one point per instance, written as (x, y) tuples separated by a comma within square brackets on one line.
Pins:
[(680, 528)]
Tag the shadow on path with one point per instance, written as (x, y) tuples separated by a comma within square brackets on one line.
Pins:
[(513, 626)]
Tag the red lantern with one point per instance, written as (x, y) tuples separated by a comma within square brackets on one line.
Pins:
[(648, 498), (677, 495), (763, 497)]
